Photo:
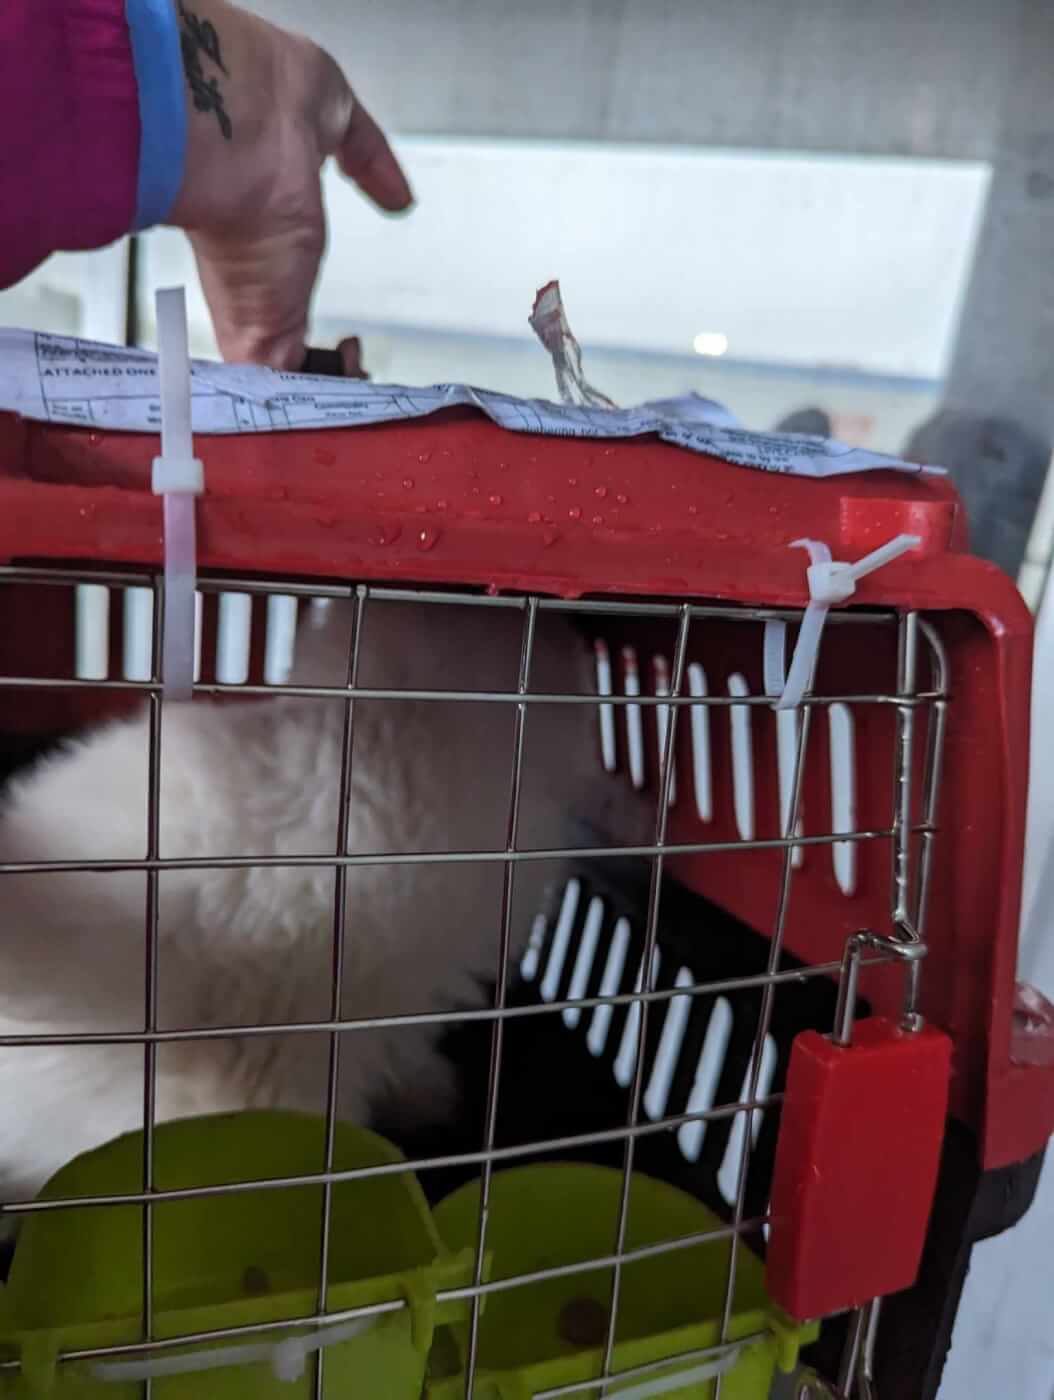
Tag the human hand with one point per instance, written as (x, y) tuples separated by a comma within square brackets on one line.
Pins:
[(265, 110)]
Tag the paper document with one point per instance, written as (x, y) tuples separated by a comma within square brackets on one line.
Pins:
[(61, 379)]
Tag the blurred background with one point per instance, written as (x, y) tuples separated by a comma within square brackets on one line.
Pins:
[(826, 214)]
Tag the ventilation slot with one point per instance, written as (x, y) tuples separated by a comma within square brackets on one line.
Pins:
[(533, 952), (707, 1075), (843, 794), (634, 724), (280, 646), (627, 1054), (138, 642), (658, 1091), (92, 654), (661, 671), (728, 1174), (233, 638), (596, 1039), (608, 753), (742, 759), (702, 772), (587, 949), (561, 938)]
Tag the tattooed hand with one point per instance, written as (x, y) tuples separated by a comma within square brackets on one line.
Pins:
[(265, 110)]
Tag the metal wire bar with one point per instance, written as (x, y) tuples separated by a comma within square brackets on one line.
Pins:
[(434, 1018), (460, 1294), (651, 933), (340, 885), (648, 1368), (458, 1159), (564, 853), (501, 989), (907, 663), (765, 1016), (931, 781), (300, 588), (151, 988), (481, 697), (856, 1371)]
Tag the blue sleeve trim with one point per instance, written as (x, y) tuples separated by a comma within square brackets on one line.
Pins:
[(154, 32)]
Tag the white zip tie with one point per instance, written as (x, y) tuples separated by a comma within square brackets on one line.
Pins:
[(830, 582), (178, 476), (287, 1358)]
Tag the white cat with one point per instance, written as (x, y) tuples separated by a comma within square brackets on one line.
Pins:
[(254, 946)]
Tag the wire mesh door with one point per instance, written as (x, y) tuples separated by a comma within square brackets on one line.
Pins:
[(681, 723)]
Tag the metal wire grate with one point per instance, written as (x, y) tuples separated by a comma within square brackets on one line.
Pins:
[(678, 682)]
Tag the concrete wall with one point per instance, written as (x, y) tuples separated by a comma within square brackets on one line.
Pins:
[(898, 77)]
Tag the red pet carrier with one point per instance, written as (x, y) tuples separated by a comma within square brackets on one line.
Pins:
[(681, 996)]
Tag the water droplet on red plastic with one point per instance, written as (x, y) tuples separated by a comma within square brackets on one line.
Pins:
[(95, 439), (386, 534), (426, 539), (622, 500), (441, 505), (575, 512), (424, 457), (600, 491), (693, 510), (324, 457), (572, 481), (549, 537), (534, 517), (598, 520), (408, 483), (494, 499)]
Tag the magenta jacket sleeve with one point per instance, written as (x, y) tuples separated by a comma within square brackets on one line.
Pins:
[(93, 121)]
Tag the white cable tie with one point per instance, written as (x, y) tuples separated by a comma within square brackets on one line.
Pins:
[(178, 476), (287, 1358), (830, 582)]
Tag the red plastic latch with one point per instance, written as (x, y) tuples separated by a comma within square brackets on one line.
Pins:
[(856, 1165)]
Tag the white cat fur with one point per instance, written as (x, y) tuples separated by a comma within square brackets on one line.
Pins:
[(243, 947)]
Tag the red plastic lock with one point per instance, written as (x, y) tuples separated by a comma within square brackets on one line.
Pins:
[(856, 1165)]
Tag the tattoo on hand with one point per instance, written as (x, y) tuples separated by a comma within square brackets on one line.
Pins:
[(198, 37)]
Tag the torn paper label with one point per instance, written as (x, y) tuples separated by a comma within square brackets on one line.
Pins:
[(60, 379), (548, 320)]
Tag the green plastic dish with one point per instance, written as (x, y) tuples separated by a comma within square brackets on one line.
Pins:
[(228, 1261), (551, 1333)]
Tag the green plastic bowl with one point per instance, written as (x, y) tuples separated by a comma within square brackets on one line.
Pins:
[(551, 1333), (230, 1260)]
